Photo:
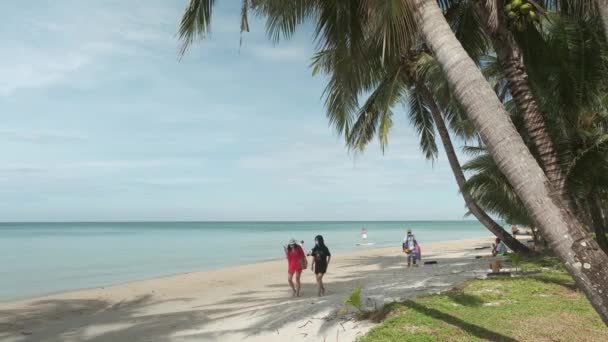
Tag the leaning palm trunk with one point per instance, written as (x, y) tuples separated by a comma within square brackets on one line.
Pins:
[(470, 202), (581, 255), (598, 222), (602, 6), (510, 56)]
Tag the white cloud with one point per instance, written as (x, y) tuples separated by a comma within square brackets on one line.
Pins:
[(35, 69), (182, 181), (73, 42), (40, 137), (326, 167), (68, 168)]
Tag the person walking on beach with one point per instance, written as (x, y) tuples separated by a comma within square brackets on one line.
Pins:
[(320, 260), (411, 248), (296, 262)]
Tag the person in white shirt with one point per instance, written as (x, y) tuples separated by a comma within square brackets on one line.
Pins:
[(499, 248)]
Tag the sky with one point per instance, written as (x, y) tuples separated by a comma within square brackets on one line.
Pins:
[(101, 121)]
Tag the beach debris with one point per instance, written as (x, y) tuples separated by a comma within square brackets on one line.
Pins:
[(434, 262), (302, 326), (342, 326), (26, 332), (277, 331), (304, 334)]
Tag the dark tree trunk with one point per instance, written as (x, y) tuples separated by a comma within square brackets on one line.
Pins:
[(602, 6), (605, 214), (470, 202), (511, 58), (598, 223)]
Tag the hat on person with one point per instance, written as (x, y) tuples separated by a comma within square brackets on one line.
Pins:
[(409, 230), (292, 241)]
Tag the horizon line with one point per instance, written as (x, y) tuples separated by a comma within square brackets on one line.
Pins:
[(238, 221)]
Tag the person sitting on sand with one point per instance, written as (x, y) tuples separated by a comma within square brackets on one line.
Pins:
[(296, 262), (411, 248), (320, 260), (499, 248)]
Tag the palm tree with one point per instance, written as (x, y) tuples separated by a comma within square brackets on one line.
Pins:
[(477, 211), (602, 6), (492, 191), (400, 80), (407, 82), (344, 25), (564, 232), (510, 56), (567, 58)]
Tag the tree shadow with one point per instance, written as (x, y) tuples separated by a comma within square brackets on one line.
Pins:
[(564, 282), (547, 279), (465, 299), (479, 332)]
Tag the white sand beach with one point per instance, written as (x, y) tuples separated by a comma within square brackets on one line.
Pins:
[(251, 302)]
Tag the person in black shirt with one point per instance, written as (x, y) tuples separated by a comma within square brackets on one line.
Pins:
[(320, 259)]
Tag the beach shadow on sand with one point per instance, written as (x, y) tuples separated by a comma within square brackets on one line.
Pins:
[(383, 278)]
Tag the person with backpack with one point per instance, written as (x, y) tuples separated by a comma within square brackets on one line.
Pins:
[(411, 248), (296, 262)]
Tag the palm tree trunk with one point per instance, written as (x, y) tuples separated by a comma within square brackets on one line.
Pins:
[(580, 253), (604, 207), (478, 212), (602, 6), (511, 58), (598, 222)]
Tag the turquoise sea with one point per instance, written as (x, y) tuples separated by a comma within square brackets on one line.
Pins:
[(41, 258)]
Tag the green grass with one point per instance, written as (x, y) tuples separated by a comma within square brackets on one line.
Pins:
[(543, 305)]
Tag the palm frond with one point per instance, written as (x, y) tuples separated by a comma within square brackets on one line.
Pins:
[(467, 28), (391, 23), (195, 23), (244, 19), (422, 120), (284, 17), (376, 114), (492, 191), (474, 150)]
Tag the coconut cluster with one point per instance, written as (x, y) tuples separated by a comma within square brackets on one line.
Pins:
[(520, 12)]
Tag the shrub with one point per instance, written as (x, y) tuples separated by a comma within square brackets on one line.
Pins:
[(354, 299)]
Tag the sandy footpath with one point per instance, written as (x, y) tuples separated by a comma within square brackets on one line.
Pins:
[(251, 302)]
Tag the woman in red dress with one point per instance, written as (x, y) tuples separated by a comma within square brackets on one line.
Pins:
[(295, 264)]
